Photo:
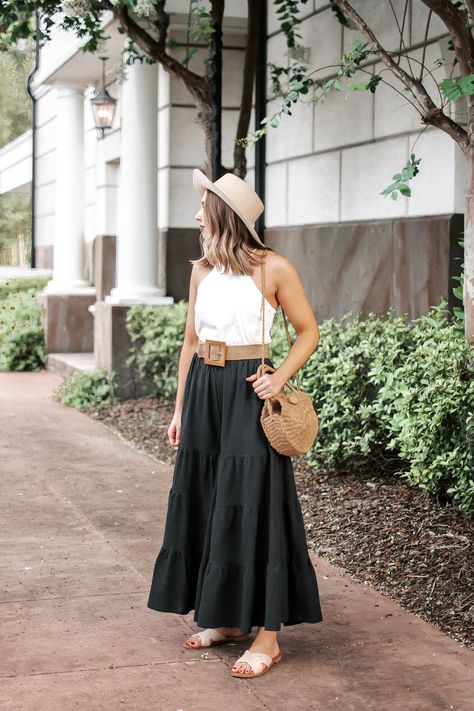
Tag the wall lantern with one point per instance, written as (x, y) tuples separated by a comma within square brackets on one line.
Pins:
[(103, 106)]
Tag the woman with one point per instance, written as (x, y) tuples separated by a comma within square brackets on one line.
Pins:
[(234, 546)]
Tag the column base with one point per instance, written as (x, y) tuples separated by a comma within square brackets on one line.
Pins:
[(112, 344), (67, 323), (129, 299), (82, 288), (104, 265)]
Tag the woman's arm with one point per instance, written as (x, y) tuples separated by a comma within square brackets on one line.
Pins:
[(290, 294), (189, 343), (187, 350)]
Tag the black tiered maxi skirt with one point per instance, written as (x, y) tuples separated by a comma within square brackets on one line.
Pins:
[(234, 548)]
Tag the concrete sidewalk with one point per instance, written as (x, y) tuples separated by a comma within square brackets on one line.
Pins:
[(81, 523)]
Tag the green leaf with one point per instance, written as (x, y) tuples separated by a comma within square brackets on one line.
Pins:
[(455, 89)]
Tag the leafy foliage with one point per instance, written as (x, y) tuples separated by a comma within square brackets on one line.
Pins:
[(293, 74), (287, 14), (200, 28), (391, 394), (21, 332), (15, 286), (88, 388), (341, 18), (14, 218), (400, 184), (157, 335), (369, 85), (455, 89), (458, 292), (427, 406), (398, 395), (15, 106)]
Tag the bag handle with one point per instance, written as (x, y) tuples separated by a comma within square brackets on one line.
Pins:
[(262, 310)]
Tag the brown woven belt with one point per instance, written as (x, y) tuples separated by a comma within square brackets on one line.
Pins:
[(217, 352)]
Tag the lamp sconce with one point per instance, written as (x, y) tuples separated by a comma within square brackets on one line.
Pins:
[(103, 106)]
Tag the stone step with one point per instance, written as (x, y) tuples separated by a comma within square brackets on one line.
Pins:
[(65, 364)]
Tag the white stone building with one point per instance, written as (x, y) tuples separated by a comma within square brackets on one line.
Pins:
[(115, 217)]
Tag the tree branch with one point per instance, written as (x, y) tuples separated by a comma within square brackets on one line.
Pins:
[(431, 113), (457, 23), (156, 49), (425, 42), (250, 61), (470, 6)]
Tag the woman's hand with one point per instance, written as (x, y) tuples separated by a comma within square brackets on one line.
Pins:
[(174, 430), (268, 385)]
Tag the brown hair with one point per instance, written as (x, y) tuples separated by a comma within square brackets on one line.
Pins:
[(229, 243)]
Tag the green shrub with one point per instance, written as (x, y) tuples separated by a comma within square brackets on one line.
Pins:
[(398, 395), (88, 388), (21, 332), (458, 291), (427, 406), (157, 335), (337, 377), (14, 286), (390, 394)]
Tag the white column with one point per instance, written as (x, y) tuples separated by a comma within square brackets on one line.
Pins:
[(68, 258), (137, 223)]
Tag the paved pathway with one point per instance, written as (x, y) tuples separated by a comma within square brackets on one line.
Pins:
[(81, 523)]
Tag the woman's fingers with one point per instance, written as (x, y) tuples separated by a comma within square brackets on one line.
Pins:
[(174, 432)]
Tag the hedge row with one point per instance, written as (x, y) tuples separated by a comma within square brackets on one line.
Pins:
[(390, 394), (21, 332)]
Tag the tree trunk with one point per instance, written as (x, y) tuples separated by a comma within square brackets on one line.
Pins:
[(469, 251)]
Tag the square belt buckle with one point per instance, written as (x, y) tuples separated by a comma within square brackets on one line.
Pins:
[(207, 352)]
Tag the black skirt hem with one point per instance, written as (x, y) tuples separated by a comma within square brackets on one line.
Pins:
[(220, 608)]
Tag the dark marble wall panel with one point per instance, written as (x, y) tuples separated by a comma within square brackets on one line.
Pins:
[(421, 264), (182, 244), (104, 265), (67, 322), (344, 267), (369, 266), (363, 267)]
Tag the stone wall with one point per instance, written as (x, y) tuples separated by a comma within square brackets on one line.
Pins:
[(406, 263)]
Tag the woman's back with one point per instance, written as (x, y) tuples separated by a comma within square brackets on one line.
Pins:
[(228, 308)]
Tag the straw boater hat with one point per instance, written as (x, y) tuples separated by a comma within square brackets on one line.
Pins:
[(236, 193)]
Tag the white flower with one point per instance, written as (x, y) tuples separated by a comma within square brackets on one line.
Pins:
[(78, 8), (144, 8)]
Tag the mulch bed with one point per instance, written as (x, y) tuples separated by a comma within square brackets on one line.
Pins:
[(396, 538)]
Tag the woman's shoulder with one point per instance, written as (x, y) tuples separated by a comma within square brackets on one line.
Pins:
[(279, 265)]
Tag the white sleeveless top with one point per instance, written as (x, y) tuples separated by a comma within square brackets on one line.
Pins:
[(228, 309)]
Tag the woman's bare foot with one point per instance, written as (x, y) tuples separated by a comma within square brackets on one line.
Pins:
[(228, 631), (266, 642)]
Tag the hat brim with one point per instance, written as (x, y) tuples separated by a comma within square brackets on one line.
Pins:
[(202, 183)]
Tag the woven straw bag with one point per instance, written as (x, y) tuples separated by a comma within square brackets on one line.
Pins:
[(289, 420)]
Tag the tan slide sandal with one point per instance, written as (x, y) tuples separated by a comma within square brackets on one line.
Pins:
[(210, 637), (259, 662)]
